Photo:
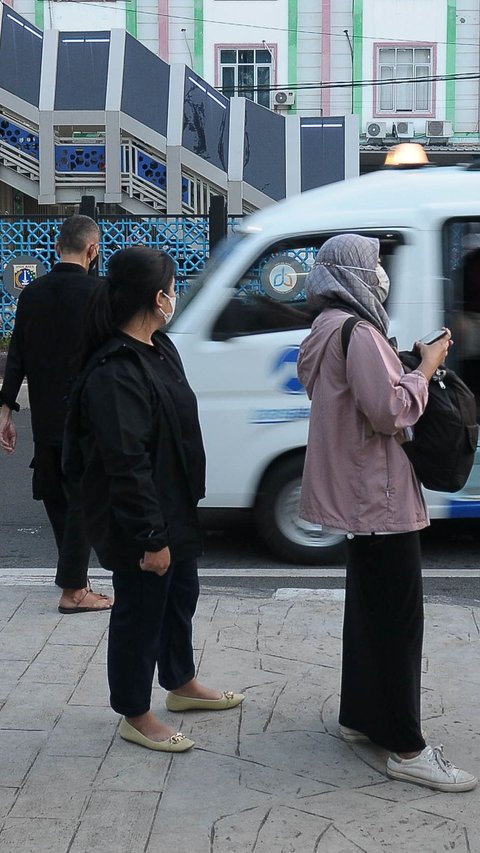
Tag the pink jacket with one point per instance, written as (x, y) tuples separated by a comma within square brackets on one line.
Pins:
[(357, 477)]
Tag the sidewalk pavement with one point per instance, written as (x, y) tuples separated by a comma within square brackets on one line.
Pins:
[(271, 776)]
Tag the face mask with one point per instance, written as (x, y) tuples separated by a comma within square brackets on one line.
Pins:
[(382, 288), (173, 302)]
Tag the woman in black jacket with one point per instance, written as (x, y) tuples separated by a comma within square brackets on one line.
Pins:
[(133, 442)]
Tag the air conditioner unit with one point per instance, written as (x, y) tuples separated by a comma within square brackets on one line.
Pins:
[(438, 129), (404, 129), (376, 129), (283, 98)]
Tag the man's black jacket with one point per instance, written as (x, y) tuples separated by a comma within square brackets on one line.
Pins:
[(123, 444), (47, 336)]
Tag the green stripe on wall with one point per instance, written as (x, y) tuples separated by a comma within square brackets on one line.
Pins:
[(131, 18), (357, 99), (39, 11), (451, 59), (198, 37), (292, 44)]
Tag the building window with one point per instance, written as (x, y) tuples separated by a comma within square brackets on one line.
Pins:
[(246, 72), (404, 70)]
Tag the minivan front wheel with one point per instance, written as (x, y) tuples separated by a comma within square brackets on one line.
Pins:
[(279, 525)]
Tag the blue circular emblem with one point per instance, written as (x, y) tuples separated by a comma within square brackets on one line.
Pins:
[(282, 277), (285, 371)]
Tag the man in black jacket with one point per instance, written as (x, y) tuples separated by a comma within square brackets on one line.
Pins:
[(45, 346)]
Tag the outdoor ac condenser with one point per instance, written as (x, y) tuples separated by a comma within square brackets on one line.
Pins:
[(376, 130), (283, 98), (435, 129), (405, 129)]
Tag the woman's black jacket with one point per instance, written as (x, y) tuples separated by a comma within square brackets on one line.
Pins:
[(123, 446)]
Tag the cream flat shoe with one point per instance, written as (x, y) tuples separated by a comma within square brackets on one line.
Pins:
[(185, 703), (175, 743)]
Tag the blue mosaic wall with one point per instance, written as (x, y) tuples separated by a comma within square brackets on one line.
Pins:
[(185, 239), (80, 158), (19, 137)]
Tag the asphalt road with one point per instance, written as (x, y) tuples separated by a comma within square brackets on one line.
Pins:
[(234, 555)]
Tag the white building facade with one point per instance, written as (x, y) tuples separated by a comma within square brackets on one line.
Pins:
[(302, 56)]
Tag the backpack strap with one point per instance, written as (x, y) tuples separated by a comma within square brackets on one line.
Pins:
[(346, 330)]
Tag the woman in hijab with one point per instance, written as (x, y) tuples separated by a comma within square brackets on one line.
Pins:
[(358, 481)]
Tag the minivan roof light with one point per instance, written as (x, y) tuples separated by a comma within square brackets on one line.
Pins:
[(407, 155)]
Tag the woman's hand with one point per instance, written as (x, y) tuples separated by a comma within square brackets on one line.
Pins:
[(433, 355), (156, 561)]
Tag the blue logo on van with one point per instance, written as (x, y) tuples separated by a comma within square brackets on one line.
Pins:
[(285, 371)]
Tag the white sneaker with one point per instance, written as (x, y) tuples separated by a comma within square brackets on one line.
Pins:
[(352, 736), (431, 769)]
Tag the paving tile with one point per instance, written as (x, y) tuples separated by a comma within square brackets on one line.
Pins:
[(10, 600), (43, 607), (100, 654), (128, 767), (56, 787), (309, 754), (18, 642), (34, 706), (85, 629), (279, 827), (28, 835), (92, 688), (82, 730), (433, 704), (10, 672), (196, 810), (194, 835), (465, 625), (58, 664), (7, 798), (210, 604), (389, 826), (18, 751), (116, 822), (444, 660)]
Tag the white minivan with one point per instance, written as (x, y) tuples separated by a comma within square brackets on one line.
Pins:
[(240, 326)]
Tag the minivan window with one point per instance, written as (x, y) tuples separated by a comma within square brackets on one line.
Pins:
[(461, 262), (270, 296), (196, 284)]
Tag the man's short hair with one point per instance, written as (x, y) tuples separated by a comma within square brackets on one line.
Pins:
[(77, 232)]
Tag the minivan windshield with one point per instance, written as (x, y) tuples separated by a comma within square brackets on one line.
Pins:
[(198, 283)]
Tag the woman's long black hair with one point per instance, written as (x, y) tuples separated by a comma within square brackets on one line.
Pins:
[(134, 278)]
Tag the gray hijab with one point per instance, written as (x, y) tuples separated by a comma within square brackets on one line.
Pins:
[(344, 276)]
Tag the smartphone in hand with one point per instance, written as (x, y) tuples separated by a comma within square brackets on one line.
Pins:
[(433, 336)]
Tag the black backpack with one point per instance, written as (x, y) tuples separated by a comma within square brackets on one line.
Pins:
[(442, 451)]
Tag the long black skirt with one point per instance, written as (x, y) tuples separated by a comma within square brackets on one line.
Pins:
[(383, 639)]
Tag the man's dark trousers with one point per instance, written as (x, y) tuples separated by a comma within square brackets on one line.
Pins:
[(65, 513)]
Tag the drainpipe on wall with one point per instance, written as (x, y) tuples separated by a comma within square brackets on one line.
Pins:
[(351, 56)]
